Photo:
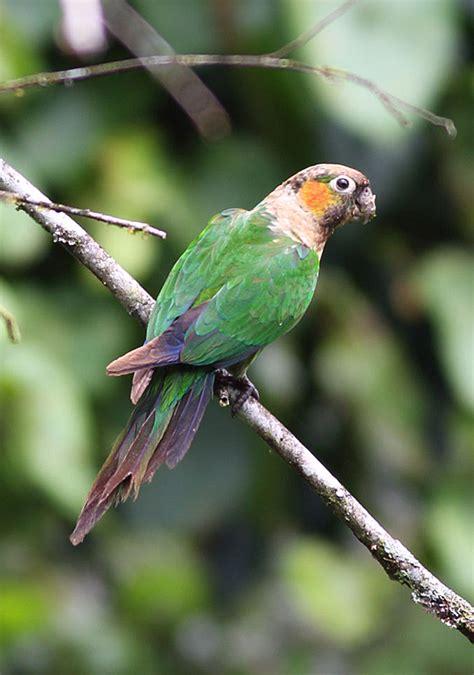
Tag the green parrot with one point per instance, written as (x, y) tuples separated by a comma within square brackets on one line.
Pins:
[(244, 281)]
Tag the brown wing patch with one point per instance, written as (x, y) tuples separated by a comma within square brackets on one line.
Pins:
[(152, 354)]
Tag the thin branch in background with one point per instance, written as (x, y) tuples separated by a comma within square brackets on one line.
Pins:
[(308, 35), (397, 561), (11, 324), (392, 104), (130, 225), (187, 89), (189, 92)]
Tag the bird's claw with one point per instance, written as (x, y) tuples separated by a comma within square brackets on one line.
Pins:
[(243, 386), (246, 390)]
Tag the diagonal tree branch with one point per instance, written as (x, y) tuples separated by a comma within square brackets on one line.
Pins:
[(397, 561)]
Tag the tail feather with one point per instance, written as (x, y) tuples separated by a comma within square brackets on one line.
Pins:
[(181, 434), (141, 380), (182, 427), (159, 431)]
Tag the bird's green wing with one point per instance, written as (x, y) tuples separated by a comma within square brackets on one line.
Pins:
[(197, 272), (253, 308), (235, 289)]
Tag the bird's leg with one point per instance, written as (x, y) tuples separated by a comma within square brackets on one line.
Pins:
[(246, 389), (242, 386)]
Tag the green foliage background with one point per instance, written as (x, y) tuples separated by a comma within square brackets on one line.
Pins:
[(230, 564)]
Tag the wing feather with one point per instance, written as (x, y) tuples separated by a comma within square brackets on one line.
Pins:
[(252, 310)]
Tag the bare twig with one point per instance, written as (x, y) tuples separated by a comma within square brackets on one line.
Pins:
[(131, 225), (308, 35), (80, 244), (396, 560), (394, 105)]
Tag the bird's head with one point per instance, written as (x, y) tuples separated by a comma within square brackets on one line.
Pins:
[(312, 203), (334, 194)]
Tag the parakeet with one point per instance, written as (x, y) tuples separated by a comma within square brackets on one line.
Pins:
[(244, 281)]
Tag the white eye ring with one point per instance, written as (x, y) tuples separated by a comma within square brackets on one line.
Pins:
[(343, 184)]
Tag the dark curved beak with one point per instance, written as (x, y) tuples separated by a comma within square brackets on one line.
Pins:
[(364, 205)]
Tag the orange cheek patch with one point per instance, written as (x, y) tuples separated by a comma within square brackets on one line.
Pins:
[(317, 196)]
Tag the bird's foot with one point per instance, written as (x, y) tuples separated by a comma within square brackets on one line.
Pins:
[(242, 387)]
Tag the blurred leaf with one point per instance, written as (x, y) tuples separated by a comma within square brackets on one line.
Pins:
[(343, 596), (279, 371), (138, 254), (449, 525), (23, 240), (192, 35), (457, 165), (451, 532), (33, 21), (138, 181), (445, 283), (162, 579), (388, 42), (137, 175), (461, 433), (82, 619), (47, 423), (78, 330), (93, 333), (24, 607), (213, 190), (362, 363), (66, 118), (417, 644), (17, 59)]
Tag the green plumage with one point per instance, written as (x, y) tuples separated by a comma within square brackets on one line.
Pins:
[(258, 286)]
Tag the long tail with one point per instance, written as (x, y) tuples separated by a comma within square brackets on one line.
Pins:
[(159, 431)]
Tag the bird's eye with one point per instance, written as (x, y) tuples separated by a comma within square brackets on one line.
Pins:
[(343, 184)]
